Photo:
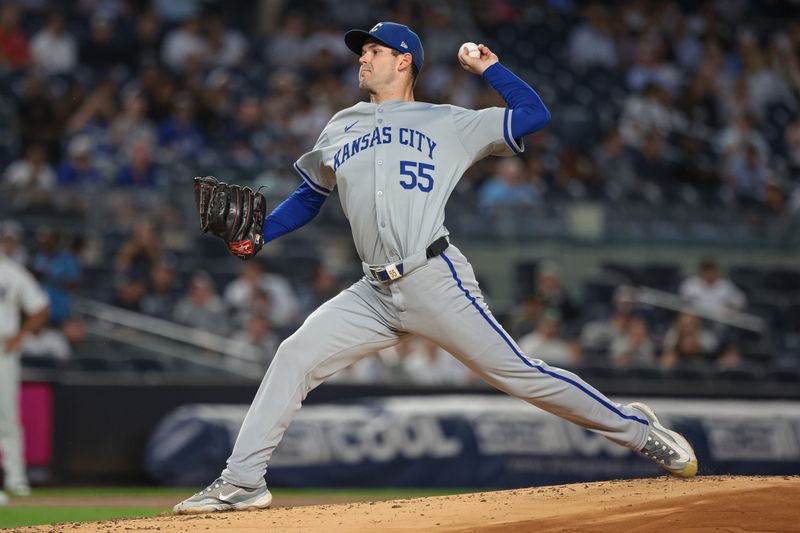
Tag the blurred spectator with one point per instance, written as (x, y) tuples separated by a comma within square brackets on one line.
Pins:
[(14, 53), (286, 47), (697, 168), (139, 170), (600, 335), (792, 142), (746, 174), (740, 134), (162, 292), (775, 198), (257, 332), (284, 304), (147, 40), (11, 234), (103, 49), (614, 164), (652, 110), (227, 47), (46, 342), (651, 66), (186, 47), (177, 10), (56, 343), (592, 43), (525, 315), (553, 294), (425, 363), (57, 268), (654, 168), (159, 88), (508, 188), (217, 105), (30, 180), (444, 29), (131, 125), (709, 292), (764, 85), (688, 344), (93, 118), (79, 170), (131, 288), (259, 304), (544, 342), (242, 133), (575, 176), (322, 288), (699, 101), (38, 120), (634, 347), (179, 135), (368, 370), (141, 251), (53, 49), (202, 308)]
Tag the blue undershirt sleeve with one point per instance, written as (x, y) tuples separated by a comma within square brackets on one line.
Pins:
[(530, 113), (294, 212)]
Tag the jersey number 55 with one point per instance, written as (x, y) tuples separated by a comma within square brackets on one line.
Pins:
[(418, 175)]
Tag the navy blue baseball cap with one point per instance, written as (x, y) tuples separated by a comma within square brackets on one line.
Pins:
[(391, 34)]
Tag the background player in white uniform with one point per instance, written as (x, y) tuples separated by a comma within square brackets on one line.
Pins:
[(19, 293), (395, 162)]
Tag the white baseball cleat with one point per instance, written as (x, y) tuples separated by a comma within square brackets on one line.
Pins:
[(19, 490), (669, 449), (222, 496)]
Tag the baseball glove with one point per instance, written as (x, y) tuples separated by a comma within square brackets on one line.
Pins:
[(233, 213)]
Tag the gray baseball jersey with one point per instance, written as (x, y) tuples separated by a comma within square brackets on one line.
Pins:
[(395, 165)]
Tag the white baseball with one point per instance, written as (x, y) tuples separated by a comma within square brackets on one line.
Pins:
[(472, 48)]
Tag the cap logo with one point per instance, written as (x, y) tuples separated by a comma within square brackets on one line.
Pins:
[(403, 44), (376, 26)]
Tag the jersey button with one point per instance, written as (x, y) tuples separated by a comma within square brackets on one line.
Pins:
[(383, 224), (380, 161), (380, 110), (380, 193), (380, 121)]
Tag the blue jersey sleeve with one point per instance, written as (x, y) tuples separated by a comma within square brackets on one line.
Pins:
[(529, 112), (294, 212)]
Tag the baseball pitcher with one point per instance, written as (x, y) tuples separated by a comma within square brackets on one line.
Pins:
[(395, 162)]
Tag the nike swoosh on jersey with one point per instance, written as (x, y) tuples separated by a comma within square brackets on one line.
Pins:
[(226, 496), (347, 128)]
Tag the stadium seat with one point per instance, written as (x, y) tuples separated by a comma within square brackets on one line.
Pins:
[(93, 364), (782, 280), (142, 365), (661, 276)]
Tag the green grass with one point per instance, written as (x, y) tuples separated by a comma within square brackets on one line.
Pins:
[(19, 516), (32, 516)]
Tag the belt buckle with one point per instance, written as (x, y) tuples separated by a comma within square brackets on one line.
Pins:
[(391, 271)]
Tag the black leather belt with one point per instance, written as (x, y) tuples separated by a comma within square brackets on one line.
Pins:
[(395, 270)]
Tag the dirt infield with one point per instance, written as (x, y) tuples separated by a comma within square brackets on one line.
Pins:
[(646, 505)]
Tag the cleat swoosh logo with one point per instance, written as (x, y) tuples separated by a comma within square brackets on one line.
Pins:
[(227, 496), (347, 128)]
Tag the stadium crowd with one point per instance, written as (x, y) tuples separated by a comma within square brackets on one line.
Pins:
[(109, 106)]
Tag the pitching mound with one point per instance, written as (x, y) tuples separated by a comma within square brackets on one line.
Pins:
[(646, 505)]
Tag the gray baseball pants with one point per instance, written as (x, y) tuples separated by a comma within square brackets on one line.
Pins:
[(440, 301)]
